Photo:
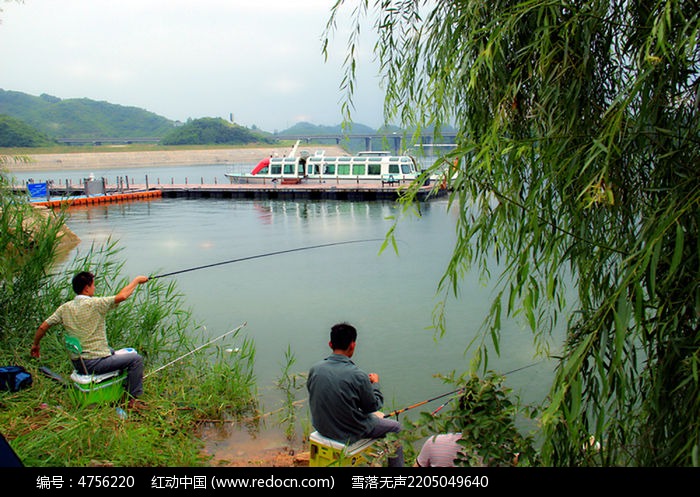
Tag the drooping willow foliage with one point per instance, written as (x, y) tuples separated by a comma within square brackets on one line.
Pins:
[(577, 160)]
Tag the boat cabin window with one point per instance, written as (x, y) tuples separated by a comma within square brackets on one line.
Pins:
[(393, 167), (407, 166), (374, 166), (289, 166), (314, 164), (343, 166), (275, 167), (358, 169)]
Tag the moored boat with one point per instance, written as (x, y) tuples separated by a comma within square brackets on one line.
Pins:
[(371, 166)]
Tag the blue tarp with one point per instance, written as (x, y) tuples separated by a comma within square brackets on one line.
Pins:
[(37, 190)]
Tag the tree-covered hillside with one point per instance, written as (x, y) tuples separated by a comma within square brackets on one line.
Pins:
[(15, 133), (210, 130), (90, 120), (82, 118)]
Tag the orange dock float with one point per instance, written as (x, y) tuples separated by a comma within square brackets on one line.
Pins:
[(99, 199)]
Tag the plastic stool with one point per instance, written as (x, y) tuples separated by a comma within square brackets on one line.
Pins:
[(325, 451), (97, 389)]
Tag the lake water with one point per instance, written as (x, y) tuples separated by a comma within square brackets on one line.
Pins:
[(191, 174), (290, 300)]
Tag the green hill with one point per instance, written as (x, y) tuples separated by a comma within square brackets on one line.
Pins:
[(90, 120), (210, 130), (15, 133), (82, 118)]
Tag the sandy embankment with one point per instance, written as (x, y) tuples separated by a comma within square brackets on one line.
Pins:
[(116, 159)]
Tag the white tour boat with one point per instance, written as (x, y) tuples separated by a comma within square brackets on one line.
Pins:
[(377, 166)]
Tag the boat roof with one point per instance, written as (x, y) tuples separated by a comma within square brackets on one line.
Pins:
[(339, 158), (374, 153)]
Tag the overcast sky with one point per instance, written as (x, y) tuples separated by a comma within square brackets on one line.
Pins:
[(259, 60)]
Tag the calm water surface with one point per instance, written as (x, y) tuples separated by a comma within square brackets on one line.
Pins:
[(289, 301), (205, 173)]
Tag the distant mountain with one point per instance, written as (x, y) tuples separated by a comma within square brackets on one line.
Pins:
[(82, 118), (85, 119), (351, 144), (308, 129)]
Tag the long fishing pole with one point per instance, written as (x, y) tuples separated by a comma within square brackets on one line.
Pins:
[(439, 408), (268, 254), (195, 350), (418, 404)]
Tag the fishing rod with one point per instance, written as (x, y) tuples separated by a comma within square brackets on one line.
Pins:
[(441, 406), (418, 404), (195, 350), (268, 254)]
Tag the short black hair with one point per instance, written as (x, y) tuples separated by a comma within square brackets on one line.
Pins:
[(342, 335), (81, 280)]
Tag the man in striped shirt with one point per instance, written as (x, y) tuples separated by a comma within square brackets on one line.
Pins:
[(440, 451), (84, 318)]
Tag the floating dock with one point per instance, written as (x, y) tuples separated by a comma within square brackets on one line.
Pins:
[(61, 196)]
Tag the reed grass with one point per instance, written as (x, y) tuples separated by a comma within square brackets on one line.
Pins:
[(289, 383)]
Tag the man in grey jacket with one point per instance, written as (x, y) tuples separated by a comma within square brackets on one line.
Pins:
[(344, 400)]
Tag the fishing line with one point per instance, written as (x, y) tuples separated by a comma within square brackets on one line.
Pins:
[(195, 350), (268, 254)]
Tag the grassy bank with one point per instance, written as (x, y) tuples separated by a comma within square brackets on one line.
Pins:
[(46, 424)]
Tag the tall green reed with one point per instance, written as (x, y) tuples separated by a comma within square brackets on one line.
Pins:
[(289, 383)]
